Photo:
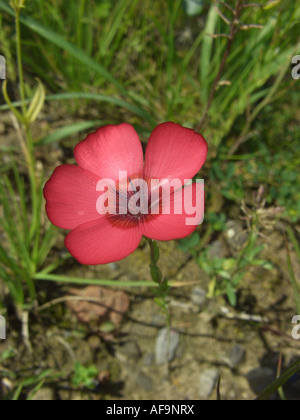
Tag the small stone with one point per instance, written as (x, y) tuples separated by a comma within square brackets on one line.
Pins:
[(166, 345), (218, 249), (207, 382), (130, 351), (236, 355), (144, 381), (43, 394), (149, 359), (114, 266), (260, 378), (138, 376), (199, 297), (236, 236)]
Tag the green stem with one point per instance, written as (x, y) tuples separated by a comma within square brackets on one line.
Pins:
[(157, 277), (33, 184), (29, 155), (19, 59), (79, 24)]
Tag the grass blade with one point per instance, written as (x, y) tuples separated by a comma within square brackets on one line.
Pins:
[(67, 131), (278, 383), (69, 96)]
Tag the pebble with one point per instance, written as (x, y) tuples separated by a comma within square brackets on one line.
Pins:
[(144, 381), (138, 376), (260, 378), (166, 346), (44, 394), (149, 359), (114, 266), (236, 236), (236, 355), (199, 297), (130, 351), (217, 250), (207, 383)]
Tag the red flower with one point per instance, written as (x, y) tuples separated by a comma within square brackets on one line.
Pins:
[(72, 193)]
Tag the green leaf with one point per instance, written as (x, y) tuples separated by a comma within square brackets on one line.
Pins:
[(68, 131), (36, 104), (190, 242), (231, 294), (156, 251), (271, 4), (155, 273)]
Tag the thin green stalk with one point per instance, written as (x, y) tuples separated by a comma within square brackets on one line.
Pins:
[(29, 155), (279, 369), (294, 282), (33, 184), (294, 241), (157, 277), (19, 59), (79, 24), (99, 282), (30, 146), (279, 382)]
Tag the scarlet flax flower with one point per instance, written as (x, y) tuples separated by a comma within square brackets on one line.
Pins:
[(72, 193)]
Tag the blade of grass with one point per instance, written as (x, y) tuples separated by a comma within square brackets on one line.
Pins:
[(295, 285), (46, 245), (68, 131), (205, 62), (294, 241), (15, 287), (279, 369), (110, 283), (278, 383), (94, 97)]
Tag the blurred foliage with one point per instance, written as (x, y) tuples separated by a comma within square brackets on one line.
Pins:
[(227, 273), (84, 376), (162, 59)]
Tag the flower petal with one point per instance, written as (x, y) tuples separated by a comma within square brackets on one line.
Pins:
[(102, 242), (166, 227), (110, 150), (174, 152), (71, 197)]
